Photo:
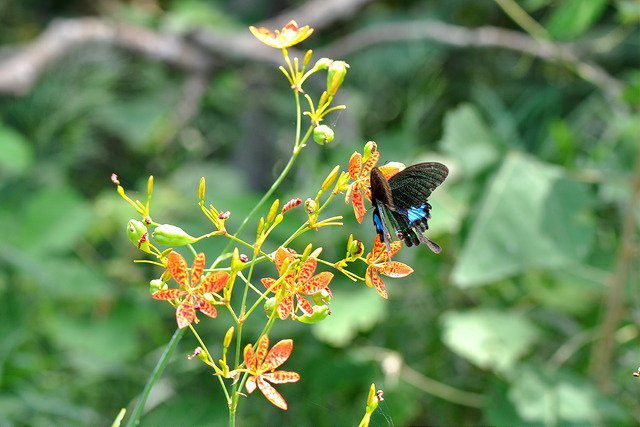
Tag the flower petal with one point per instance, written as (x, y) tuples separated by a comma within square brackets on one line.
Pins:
[(395, 269), (168, 294), (358, 205), (307, 269), (185, 314), (268, 282), (318, 282), (206, 307), (196, 269), (261, 351), (355, 164), (285, 307), (250, 359), (281, 255), (178, 268), (250, 384), (373, 279), (305, 306), (278, 354), (371, 162), (214, 282), (271, 394), (281, 377)]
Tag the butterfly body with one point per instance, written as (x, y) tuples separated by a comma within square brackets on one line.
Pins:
[(403, 201)]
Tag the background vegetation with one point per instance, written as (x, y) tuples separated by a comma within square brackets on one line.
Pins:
[(528, 317)]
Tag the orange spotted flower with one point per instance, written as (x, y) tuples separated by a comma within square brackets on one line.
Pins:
[(378, 262), (262, 365), (299, 281), (194, 292), (290, 35), (360, 175)]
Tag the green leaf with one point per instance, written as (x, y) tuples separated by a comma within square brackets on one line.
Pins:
[(358, 311), (489, 338), (16, 155), (574, 17), (555, 397), (531, 216), (468, 140), (54, 220)]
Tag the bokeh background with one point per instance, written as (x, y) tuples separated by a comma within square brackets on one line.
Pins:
[(528, 317)]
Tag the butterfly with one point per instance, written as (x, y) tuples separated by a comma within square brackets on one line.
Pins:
[(403, 201)]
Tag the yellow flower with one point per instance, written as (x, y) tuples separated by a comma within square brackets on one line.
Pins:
[(290, 35)]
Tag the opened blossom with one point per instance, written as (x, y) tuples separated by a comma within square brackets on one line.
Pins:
[(261, 366), (298, 282), (378, 263), (291, 34), (360, 174), (193, 293)]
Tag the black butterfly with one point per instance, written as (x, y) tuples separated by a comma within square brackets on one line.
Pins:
[(403, 199)]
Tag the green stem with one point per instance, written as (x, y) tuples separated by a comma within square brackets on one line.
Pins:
[(134, 418)]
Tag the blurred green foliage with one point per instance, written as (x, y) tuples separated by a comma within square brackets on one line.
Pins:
[(529, 220)]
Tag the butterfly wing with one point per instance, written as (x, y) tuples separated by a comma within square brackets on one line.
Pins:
[(410, 211)]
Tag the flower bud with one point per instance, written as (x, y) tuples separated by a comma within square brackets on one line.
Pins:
[(335, 76), (369, 148), (355, 249), (269, 306), (307, 58), (227, 337), (311, 206), (322, 63), (328, 181), (138, 235), (201, 189), (273, 210), (323, 297), (156, 285), (170, 235), (150, 186), (323, 134), (236, 263), (320, 312)]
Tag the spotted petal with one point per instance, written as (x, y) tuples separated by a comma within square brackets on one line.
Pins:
[(318, 282), (358, 204), (206, 307), (278, 354), (261, 351), (373, 279), (371, 162), (355, 164), (196, 269), (250, 358), (305, 306), (251, 383), (178, 268), (285, 307), (271, 394), (395, 269), (281, 377), (168, 294), (214, 282), (307, 269), (185, 314)]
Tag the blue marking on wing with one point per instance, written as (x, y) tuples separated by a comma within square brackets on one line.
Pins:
[(417, 213), (377, 221)]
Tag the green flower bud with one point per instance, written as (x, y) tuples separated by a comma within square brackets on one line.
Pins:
[(323, 134), (355, 250), (322, 63), (369, 147), (138, 235), (320, 312), (269, 306), (335, 76), (227, 337), (170, 235), (156, 285), (323, 297)]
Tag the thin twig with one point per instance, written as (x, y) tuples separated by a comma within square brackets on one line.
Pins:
[(603, 349)]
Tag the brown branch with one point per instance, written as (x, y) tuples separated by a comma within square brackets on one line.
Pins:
[(484, 37), (604, 348)]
